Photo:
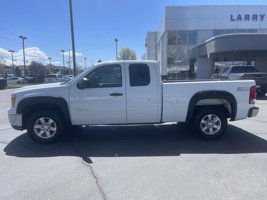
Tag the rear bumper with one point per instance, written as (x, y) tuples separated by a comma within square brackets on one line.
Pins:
[(253, 112)]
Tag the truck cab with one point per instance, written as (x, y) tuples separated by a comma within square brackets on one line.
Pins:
[(117, 93)]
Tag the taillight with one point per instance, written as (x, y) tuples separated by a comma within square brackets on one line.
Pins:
[(252, 95)]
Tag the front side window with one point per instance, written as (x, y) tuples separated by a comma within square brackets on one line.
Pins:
[(139, 74), (105, 76)]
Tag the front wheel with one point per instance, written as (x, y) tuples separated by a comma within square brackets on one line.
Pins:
[(210, 124), (44, 127)]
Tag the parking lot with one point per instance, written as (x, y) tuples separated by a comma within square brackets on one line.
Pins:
[(135, 162)]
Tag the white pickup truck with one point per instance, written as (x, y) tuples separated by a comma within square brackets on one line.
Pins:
[(130, 92)]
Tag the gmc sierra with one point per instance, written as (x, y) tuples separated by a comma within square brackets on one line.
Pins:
[(130, 92)]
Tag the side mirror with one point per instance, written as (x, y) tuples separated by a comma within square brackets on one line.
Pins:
[(84, 83)]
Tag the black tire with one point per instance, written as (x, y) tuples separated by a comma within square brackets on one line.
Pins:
[(44, 127), (211, 124)]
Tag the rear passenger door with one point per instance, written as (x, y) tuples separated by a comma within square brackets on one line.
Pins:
[(143, 96)]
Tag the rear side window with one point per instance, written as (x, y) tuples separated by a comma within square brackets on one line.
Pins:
[(139, 74)]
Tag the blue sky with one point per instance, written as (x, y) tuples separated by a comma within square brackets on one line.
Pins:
[(97, 23)]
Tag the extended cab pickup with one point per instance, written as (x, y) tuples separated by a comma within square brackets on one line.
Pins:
[(130, 92)]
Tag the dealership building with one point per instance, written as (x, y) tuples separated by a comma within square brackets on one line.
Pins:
[(194, 40)]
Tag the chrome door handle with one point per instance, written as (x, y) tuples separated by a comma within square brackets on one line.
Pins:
[(116, 94)]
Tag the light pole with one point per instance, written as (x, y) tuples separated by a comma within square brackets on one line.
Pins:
[(69, 61), (50, 65), (23, 38), (116, 44), (68, 64), (63, 51), (85, 63), (13, 69), (72, 39)]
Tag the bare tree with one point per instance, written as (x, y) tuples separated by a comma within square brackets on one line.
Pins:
[(36, 68)]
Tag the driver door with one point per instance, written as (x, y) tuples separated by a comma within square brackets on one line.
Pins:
[(102, 99)]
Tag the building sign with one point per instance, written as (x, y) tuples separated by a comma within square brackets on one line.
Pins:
[(247, 17)]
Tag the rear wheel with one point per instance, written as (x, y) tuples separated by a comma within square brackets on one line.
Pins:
[(44, 127), (211, 123)]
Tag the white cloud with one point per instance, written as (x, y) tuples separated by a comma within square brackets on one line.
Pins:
[(31, 54), (4, 53), (56, 63), (67, 53), (5, 56)]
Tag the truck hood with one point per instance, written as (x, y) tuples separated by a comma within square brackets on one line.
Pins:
[(38, 87), (51, 89)]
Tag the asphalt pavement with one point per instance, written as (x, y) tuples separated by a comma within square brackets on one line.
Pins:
[(150, 162)]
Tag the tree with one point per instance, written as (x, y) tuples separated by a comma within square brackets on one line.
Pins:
[(127, 54), (17, 72), (37, 68)]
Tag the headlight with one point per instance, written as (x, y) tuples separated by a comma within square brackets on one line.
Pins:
[(13, 100)]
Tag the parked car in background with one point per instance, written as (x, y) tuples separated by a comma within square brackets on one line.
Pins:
[(3, 82), (52, 78), (10, 75), (246, 72), (69, 77), (15, 80), (29, 79)]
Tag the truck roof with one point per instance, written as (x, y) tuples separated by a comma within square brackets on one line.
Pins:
[(129, 61)]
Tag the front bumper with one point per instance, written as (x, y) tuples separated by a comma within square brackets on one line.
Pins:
[(253, 112), (16, 121)]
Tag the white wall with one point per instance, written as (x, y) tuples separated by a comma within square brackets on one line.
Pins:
[(151, 45), (213, 17)]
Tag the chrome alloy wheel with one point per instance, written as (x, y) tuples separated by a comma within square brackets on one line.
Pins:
[(210, 124), (45, 127)]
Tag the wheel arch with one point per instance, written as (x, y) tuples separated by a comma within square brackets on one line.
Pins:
[(31, 104), (212, 98)]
